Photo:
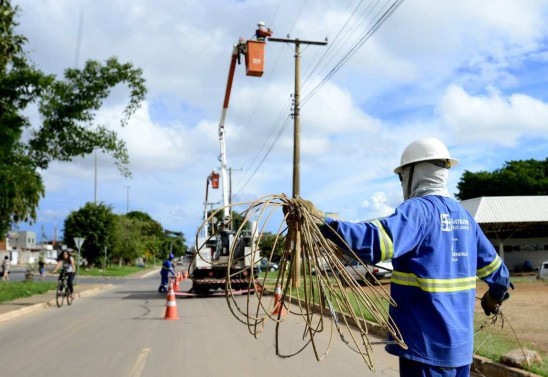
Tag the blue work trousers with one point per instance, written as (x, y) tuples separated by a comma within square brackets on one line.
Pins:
[(410, 368)]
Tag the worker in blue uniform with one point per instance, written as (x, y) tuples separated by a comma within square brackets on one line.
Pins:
[(167, 269), (437, 251)]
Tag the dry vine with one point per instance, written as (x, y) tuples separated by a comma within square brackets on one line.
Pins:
[(321, 297), (492, 322)]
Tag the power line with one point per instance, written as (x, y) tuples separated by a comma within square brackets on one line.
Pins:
[(355, 48), (278, 127)]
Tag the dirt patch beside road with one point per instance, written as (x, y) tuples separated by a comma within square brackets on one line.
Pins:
[(526, 311)]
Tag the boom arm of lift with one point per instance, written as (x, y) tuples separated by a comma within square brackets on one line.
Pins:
[(237, 50), (253, 51)]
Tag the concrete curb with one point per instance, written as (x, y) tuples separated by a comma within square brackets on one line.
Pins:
[(480, 364), (23, 311), (491, 368), (4, 317)]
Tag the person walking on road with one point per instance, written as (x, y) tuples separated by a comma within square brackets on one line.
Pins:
[(437, 251), (6, 268), (66, 263), (42, 268)]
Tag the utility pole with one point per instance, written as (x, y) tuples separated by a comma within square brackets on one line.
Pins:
[(296, 108), (296, 267)]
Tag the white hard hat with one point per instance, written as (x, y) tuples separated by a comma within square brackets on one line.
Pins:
[(426, 149), (261, 23)]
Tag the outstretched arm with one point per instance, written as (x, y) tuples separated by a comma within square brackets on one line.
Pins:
[(56, 267)]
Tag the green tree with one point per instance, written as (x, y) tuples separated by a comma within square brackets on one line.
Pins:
[(153, 236), (128, 241), (267, 246), (67, 108), (174, 242), (94, 222), (526, 177)]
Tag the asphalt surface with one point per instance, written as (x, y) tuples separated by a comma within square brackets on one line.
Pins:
[(116, 327), (121, 331)]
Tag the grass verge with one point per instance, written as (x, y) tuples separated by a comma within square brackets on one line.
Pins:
[(112, 271), (494, 341), (13, 290)]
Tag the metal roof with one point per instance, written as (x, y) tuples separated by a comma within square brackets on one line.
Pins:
[(508, 209)]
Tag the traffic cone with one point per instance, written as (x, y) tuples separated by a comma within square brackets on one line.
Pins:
[(176, 284), (171, 304), (179, 276), (279, 309), (185, 275)]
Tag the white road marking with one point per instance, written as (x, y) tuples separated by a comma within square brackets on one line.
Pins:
[(140, 363)]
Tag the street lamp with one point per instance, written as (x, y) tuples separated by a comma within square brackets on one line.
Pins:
[(171, 246)]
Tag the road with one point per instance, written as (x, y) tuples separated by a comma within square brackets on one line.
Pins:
[(122, 332)]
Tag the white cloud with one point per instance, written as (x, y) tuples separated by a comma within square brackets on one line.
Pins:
[(418, 76), (494, 117), (377, 206)]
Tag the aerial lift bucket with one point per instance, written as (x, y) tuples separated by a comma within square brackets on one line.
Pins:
[(254, 59), (214, 180)]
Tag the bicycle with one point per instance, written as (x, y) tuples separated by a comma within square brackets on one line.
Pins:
[(63, 291)]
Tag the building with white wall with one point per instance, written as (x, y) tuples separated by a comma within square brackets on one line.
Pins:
[(516, 225)]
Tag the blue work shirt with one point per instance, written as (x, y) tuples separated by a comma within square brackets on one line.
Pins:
[(167, 268), (437, 251)]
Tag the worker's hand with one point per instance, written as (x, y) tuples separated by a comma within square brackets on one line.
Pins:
[(293, 212), (490, 305), (311, 208)]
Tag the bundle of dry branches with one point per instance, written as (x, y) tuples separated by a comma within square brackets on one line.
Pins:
[(326, 302)]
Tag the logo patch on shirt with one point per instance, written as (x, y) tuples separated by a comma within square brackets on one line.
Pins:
[(448, 224)]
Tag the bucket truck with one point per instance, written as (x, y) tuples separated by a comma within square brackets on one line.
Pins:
[(209, 267)]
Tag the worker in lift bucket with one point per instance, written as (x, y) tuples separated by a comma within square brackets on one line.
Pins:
[(262, 32), (225, 239), (437, 251), (165, 272)]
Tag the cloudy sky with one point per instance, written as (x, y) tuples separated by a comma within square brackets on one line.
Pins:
[(470, 73)]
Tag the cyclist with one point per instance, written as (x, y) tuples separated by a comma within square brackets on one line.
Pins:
[(167, 269), (66, 262)]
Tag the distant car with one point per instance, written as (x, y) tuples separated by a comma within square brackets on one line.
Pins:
[(50, 261), (382, 269), (543, 271), (266, 266), (323, 266), (358, 270)]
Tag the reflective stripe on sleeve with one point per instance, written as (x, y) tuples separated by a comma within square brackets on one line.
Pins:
[(434, 285), (387, 248), (490, 268)]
